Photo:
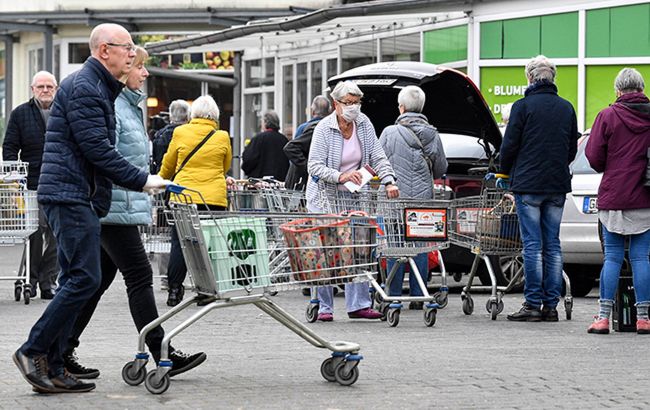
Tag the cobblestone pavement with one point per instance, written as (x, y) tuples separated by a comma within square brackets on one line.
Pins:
[(255, 363)]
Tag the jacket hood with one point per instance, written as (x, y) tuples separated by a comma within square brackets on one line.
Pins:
[(134, 97), (633, 110)]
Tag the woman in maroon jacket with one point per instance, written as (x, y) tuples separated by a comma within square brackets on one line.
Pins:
[(618, 147)]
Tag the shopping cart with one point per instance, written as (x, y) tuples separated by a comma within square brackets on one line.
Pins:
[(407, 228), (264, 194), (18, 220), (227, 255), (487, 225)]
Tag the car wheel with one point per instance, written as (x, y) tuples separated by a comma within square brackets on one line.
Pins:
[(505, 268)]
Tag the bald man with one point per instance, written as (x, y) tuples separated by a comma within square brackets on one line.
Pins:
[(80, 164), (24, 140)]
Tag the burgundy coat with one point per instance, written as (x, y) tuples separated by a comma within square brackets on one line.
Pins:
[(618, 146)]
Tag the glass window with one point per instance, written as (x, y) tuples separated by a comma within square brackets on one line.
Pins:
[(316, 78), (609, 31), (332, 67), (253, 122), (57, 62), (270, 104), (222, 95), (78, 53), (404, 48), (445, 45), (253, 73), (269, 72), (287, 100), (358, 54), (301, 96), (35, 61)]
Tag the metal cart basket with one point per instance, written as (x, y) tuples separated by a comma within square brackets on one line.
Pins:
[(227, 254)]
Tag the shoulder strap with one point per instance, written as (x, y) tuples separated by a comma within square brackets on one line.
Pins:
[(187, 158), (417, 140)]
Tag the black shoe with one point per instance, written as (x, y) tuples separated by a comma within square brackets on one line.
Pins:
[(47, 294), (549, 314), (176, 294), (183, 362), (34, 370), (527, 313), (416, 305), (67, 383), (32, 292), (72, 365)]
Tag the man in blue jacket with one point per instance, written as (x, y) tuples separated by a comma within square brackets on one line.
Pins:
[(80, 164), (539, 144), (24, 140)]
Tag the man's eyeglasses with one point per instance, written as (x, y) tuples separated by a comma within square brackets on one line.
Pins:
[(128, 47), (349, 103)]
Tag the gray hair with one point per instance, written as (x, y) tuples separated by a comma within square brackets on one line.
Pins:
[(271, 120), (320, 106), (179, 111), (412, 98), (540, 68), (344, 88), (629, 80), (205, 107), (44, 74)]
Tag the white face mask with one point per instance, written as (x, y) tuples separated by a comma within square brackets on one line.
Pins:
[(350, 112)]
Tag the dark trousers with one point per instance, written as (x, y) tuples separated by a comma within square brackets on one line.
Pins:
[(43, 266), (122, 249), (177, 269), (77, 231)]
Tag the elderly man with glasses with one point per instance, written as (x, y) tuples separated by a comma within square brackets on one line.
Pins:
[(24, 140), (80, 165)]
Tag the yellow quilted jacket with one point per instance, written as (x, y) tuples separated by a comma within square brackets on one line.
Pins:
[(206, 170)]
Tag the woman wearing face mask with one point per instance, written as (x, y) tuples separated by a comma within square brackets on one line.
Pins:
[(342, 143), (120, 238)]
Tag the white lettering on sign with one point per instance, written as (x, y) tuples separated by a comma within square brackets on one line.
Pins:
[(508, 90)]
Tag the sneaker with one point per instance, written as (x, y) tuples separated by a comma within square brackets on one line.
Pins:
[(366, 313), (182, 362), (549, 314), (76, 369), (34, 370), (47, 294), (527, 313), (176, 294), (643, 327), (67, 383), (416, 305), (325, 317), (600, 327)]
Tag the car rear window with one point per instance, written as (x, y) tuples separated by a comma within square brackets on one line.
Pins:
[(580, 165)]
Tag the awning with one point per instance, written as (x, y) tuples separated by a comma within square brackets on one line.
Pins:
[(186, 75)]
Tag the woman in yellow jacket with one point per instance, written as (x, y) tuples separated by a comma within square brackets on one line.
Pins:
[(205, 172)]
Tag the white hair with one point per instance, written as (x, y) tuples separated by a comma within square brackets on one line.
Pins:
[(205, 107), (629, 80), (344, 88), (44, 74), (179, 111), (412, 98), (540, 68)]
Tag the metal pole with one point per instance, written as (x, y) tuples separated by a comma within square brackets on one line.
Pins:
[(9, 75), (47, 34)]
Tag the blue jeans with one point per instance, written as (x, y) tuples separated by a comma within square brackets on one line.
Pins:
[(77, 232), (357, 297), (395, 288), (539, 223), (614, 254)]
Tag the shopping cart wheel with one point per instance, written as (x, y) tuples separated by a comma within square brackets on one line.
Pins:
[(18, 291), (468, 305), (346, 378), (430, 317), (458, 276), (494, 310), (568, 308), (152, 386), (327, 369), (26, 295), (441, 299), (131, 376), (311, 314), (393, 317), (383, 308)]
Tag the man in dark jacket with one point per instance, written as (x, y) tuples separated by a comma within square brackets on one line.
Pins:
[(297, 150), (539, 144), (80, 163), (179, 114), (24, 140), (264, 155)]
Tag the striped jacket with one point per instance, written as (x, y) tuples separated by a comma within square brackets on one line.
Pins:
[(325, 157)]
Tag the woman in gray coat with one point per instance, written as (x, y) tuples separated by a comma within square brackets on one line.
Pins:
[(415, 152)]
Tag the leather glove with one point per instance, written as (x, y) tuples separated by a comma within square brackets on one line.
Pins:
[(155, 183)]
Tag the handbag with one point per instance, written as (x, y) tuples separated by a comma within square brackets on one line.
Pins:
[(419, 143), (647, 169), (187, 158)]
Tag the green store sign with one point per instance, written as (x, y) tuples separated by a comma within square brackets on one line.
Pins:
[(501, 86)]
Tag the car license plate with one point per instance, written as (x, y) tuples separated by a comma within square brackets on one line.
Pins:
[(589, 205)]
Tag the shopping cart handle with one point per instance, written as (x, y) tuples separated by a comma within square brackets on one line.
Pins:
[(175, 189)]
